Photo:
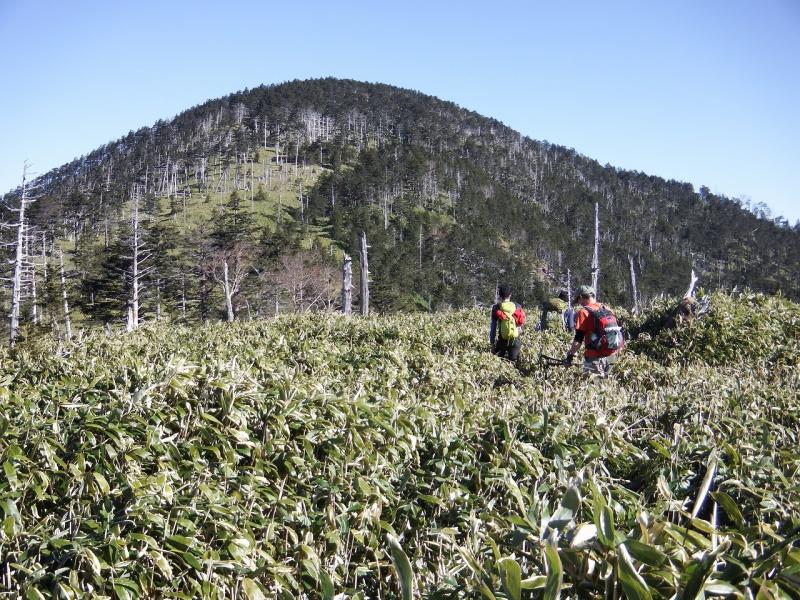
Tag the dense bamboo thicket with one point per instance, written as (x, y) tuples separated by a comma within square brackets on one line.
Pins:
[(320, 456)]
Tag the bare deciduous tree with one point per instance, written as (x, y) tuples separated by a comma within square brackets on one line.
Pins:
[(229, 267), (307, 281)]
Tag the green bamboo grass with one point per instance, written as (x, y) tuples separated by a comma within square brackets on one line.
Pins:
[(279, 458)]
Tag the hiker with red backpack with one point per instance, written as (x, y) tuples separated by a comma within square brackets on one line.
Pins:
[(505, 330), (596, 327)]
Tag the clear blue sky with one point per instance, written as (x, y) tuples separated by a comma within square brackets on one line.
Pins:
[(705, 92)]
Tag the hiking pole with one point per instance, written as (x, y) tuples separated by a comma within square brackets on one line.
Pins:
[(549, 361)]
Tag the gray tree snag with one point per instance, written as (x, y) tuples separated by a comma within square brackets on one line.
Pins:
[(569, 287), (67, 320), (229, 268), (596, 256), (634, 289), (19, 259), (133, 313), (364, 301), (347, 285), (35, 303), (227, 289), (692, 283)]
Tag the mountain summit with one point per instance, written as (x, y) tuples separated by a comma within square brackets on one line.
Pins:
[(273, 185)]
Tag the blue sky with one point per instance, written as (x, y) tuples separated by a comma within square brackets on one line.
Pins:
[(705, 92)]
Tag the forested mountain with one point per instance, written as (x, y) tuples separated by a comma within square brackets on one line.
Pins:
[(244, 205)]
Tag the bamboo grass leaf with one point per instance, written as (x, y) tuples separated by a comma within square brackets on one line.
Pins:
[(729, 506), (555, 573), (326, 584), (634, 585), (711, 471), (402, 567), (252, 590), (511, 577)]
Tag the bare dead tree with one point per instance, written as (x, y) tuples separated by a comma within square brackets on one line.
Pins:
[(419, 249), (139, 257), (692, 283), (364, 299), (229, 268), (133, 313), (21, 262), (34, 300), (347, 285), (307, 281), (569, 287), (67, 319), (596, 256), (634, 289), (296, 153)]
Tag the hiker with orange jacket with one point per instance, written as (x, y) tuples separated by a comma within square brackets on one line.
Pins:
[(596, 327), (505, 330)]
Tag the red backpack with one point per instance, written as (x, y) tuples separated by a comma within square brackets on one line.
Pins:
[(607, 338)]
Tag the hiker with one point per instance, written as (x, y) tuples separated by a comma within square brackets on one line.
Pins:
[(597, 328), (558, 305), (505, 331)]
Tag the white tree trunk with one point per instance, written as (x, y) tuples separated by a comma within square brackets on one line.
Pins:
[(134, 301), (690, 292), (347, 285), (67, 320), (183, 296), (364, 275), (634, 289), (158, 300), (419, 248), (596, 256), (569, 287), (34, 307), (19, 258), (227, 291)]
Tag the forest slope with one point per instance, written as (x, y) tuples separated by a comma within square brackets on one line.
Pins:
[(286, 177)]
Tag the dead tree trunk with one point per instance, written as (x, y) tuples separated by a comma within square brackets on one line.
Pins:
[(596, 256), (364, 275), (34, 300), (158, 300), (135, 247), (227, 290), (634, 289), (347, 285), (19, 258), (183, 296), (569, 287), (296, 154), (419, 248), (67, 320), (690, 292)]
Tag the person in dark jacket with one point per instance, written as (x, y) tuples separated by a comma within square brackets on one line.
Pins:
[(509, 345)]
